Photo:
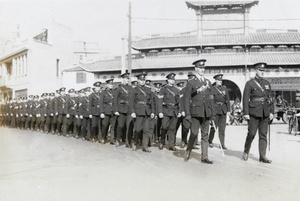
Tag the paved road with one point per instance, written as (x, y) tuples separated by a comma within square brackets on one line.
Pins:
[(41, 167)]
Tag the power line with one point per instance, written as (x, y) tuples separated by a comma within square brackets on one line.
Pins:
[(211, 20)]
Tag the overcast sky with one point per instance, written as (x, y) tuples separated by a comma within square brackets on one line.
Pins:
[(106, 21)]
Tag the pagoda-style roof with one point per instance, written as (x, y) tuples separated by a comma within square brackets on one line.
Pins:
[(204, 3), (185, 61), (291, 38)]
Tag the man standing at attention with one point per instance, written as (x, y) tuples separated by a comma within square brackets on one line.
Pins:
[(199, 109), (258, 109)]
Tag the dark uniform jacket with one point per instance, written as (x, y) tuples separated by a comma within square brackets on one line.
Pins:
[(29, 105), (51, 106), (221, 99), (169, 99), (257, 100), (140, 101), (106, 102), (94, 100), (35, 107), (121, 100), (156, 102), (84, 107), (71, 106), (198, 104), (43, 108), (181, 99), (61, 105), (78, 101)]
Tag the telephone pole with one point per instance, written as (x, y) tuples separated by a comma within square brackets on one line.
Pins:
[(129, 40)]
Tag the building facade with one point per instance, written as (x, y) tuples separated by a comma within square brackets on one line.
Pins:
[(34, 66), (230, 49)]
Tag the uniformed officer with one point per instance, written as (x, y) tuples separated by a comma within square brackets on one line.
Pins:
[(86, 115), (94, 104), (181, 120), (79, 118), (142, 110), (107, 113), (23, 112), (222, 105), (148, 83), (18, 111), (35, 112), (29, 104), (121, 109), (168, 109), (70, 110), (43, 110), (134, 83), (76, 128), (60, 110), (258, 109), (50, 111), (157, 135), (199, 109)]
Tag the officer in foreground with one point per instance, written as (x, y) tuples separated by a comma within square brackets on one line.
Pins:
[(258, 109), (199, 109)]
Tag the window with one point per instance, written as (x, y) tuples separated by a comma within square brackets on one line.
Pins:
[(80, 78), (9, 67)]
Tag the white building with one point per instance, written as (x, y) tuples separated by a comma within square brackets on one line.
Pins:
[(34, 66)]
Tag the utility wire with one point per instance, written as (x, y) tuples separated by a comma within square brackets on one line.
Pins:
[(210, 20)]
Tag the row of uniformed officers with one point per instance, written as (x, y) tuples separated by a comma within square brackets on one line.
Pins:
[(135, 114), (140, 115)]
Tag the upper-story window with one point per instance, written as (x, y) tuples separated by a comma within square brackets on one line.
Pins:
[(80, 78)]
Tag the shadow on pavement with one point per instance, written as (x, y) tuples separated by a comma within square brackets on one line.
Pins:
[(237, 154), (180, 154)]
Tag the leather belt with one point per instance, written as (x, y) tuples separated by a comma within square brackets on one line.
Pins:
[(142, 102), (258, 99), (170, 104)]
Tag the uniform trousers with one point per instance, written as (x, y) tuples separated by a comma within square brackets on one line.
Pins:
[(185, 127), (13, 121), (168, 127), (78, 126), (43, 122), (71, 121), (260, 124), (125, 127), (54, 123), (48, 123), (37, 123), (61, 122), (196, 124), (220, 123), (95, 127), (28, 122), (33, 121), (143, 125), (106, 122), (86, 127), (157, 132)]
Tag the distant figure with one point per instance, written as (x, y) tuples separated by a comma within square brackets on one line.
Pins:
[(236, 112)]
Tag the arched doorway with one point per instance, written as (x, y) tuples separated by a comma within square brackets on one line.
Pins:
[(233, 90)]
